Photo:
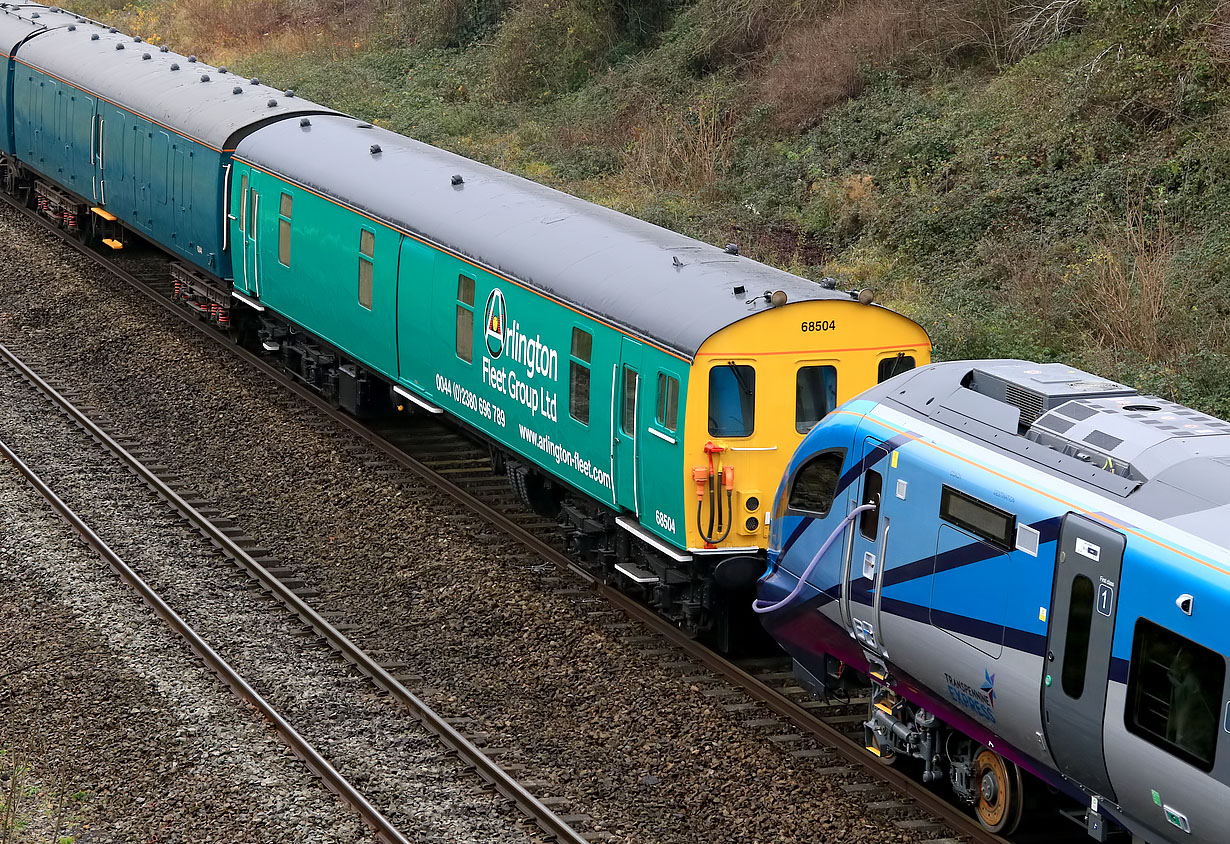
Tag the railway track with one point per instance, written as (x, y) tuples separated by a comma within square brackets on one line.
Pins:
[(459, 468), (279, 583)]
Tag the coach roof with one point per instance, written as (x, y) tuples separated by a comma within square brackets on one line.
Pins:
[(188, 97), (652, 282)]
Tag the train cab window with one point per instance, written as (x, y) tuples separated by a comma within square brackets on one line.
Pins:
[(732, 400), (815, 395), (578, 375), (890, 367), (630, 381), (367, 257), (465, 318), (668, 402), (284, 209), (979, 518), (815, 485), (1174, 694), (869, 521)]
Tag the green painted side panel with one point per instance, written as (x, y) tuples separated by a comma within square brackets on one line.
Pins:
[(319, 287), (511, 380)]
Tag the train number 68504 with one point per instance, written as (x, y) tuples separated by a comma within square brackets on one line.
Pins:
[(820, 325)]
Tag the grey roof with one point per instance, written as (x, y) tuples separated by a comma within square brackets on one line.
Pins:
[(114, 66), (18, 22), (603, 262), (1161, 458)]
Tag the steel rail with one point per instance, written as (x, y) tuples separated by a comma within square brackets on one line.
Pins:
[(300, 746), (959, 821), (487, 769)]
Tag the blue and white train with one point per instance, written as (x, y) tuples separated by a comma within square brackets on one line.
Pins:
[(1031, 565)]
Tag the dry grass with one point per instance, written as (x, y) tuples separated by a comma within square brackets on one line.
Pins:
[(686, 151), (1124, 296)]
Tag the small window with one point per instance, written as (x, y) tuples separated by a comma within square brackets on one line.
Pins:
[(668, 402), (367, 268), (629, 419), (815, 395), (815, 485), (284, 230), (1076, 641), (243, 202), (465, 318), (253, 201), (895, 366), (978, 517), (732, 400), (1174, 694), (578, 376), (869, 521)]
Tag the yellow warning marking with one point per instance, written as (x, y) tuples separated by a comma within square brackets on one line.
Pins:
[(884, 707), (894, 460), (104, 213), (871, 748), (114, 244)]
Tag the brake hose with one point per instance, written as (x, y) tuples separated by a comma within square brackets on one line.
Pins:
[(730, 521), (759, 606)]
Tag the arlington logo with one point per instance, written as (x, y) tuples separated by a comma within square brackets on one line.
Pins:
[(495, 320)]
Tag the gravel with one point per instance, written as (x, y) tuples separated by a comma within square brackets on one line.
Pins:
[(598, 721), (401, 768)]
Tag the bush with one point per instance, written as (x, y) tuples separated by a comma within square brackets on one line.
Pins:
[(549, 47)]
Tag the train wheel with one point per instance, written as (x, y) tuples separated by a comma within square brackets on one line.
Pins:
[(1001, 792)]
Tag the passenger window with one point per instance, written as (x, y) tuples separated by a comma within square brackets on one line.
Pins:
[(668, 402), (815, 395), (869, 521), (978, 517), (578, 375), (367, 269), (465, 318), (1174, 693), (732, 400), (815, 485), (1076, 643), (895, 366), (630, 383), (243, 202), (284, 230)]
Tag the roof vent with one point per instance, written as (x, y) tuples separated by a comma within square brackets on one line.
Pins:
[(146, 57), (164, 49), (272, 103), (740, 290), (192, 59), (119, 45), (94, 36), (35, 15), (204, 77), (375, 148), (109, 29), (254, 81), (457, 180), (174, 65), (731, 249), (72, 27), (136, 38), (222, 70), (237, 90), (1036, 388), (828, 283), (304, 122), (364, 126), (288, 93)]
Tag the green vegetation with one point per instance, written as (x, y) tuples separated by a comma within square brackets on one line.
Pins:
[(1035, 178)]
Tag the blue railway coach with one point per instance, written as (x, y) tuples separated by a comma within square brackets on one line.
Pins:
[(1030, 563)]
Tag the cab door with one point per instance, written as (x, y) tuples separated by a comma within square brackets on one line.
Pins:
[(864, 566), (248, 211), (625, 418), (1078, 648)]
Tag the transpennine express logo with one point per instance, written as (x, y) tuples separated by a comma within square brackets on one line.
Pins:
[(495, 319), (989, 685)]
